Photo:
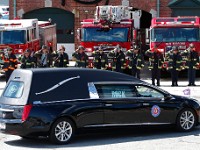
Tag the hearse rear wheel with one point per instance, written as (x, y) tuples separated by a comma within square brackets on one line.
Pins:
[(62, 131), (186, 120)]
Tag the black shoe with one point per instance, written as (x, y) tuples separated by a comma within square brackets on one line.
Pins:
[(189, 84), (158, 84), (194, 85), (172, 85)]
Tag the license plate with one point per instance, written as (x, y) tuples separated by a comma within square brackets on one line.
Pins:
[(2, 126)]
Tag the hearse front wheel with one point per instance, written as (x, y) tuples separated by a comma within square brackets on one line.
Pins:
[(62, 131), (186, 120)]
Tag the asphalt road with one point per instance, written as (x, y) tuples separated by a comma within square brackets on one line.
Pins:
[(137, 138)]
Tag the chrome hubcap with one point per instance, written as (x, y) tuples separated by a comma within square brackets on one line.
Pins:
[(63, 131), (187, 120)]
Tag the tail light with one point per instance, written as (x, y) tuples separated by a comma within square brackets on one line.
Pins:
[(26, 111)]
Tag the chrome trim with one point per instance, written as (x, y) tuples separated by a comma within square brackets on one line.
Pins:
[(128, 124), (6, 110), (92, 91), (60, 101), (57, 85), (9, 121)]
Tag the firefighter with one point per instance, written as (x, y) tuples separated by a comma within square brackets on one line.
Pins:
[(62, 59), (174, 64), (100, 59), (27, 60), (10, 62), (136, 61), (155, 64), (80, 57), (192, 63), (118, 59), (44, 58)]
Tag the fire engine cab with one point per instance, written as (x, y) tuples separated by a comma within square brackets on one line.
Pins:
[(112, 26), (21, 34), (166, 32)]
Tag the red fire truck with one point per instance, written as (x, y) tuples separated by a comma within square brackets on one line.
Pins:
[(166, 32), (112, 26), (21, 34)]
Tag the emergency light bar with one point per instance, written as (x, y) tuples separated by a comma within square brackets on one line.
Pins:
[(86, 22), (11, 24), (125, 23)]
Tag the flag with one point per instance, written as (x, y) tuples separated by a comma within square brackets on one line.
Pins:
[(186, 91)]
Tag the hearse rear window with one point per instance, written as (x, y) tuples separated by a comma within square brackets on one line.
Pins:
[(14, 89)]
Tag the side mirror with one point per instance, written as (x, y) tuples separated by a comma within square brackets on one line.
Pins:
[(168, 97)]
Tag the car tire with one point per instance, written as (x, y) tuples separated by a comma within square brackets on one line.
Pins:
[(62, 131), (186, 120)]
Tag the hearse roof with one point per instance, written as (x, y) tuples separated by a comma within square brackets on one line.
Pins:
[(55, 84), (90, 75)]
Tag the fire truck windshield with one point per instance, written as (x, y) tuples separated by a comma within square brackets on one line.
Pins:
[(104, 35), (12, 37), (174, 34)]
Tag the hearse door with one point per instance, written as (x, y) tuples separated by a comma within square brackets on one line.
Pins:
[(119, 103), (154, 109), (121, 111)]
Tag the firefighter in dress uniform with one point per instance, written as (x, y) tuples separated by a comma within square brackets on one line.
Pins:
[(192, 63), (27, 61), (155, 64), (136, 61), (10, 62), (44, 58), (118, 59), (100, 60), (62, 58), (174, 65), (80, 57)]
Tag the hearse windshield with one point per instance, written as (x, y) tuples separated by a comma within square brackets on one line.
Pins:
[(14, 89)]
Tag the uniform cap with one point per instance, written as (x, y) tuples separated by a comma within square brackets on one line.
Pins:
[(27, 51), (100, 48), (175, 48), (9, 49), (135, 48), (44, 47), (81, 47)]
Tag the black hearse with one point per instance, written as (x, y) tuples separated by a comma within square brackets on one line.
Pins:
[(56, 102)]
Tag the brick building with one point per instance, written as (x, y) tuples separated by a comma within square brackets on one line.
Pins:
[(68, 14)]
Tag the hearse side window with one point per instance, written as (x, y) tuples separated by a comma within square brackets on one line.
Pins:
[(14, 89), (144, 91), (116, 91)]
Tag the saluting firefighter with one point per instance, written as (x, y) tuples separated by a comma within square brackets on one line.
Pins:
[(44, 58), (118, 59), (100, 59), (136, 61), (174, 65), (155, 64), (80, 57), (26, 60), (192, 63), (10, 62), (62, 58)]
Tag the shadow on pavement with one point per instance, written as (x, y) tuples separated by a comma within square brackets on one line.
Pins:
[(107, 136)]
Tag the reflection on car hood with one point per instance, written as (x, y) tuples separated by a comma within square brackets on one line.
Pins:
[(178, 97)]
